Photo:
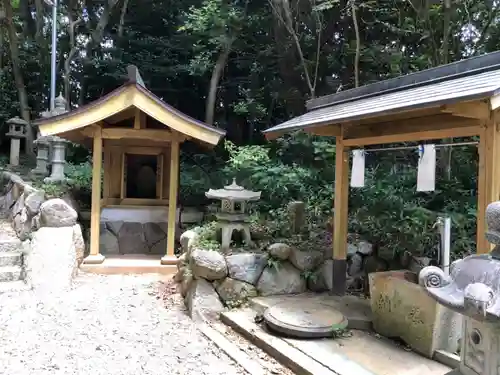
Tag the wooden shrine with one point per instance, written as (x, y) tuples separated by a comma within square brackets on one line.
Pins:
[(461, 99), (135, 139)]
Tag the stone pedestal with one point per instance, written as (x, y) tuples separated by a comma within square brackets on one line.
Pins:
[(58, 160), (42, 157), (17, 131)]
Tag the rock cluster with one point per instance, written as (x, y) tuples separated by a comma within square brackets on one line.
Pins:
[(53, 244), (210, 281)]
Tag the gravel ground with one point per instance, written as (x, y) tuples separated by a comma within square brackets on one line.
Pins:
[(105, 325)]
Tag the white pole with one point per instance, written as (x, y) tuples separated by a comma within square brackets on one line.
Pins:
[(53, 56), (445, 232)]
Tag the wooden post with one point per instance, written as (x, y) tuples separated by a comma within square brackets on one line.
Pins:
[(340, 218), (488, 179), (170, 258), (95, 218)]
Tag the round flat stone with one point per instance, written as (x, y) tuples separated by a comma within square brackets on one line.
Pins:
[(312, 320)]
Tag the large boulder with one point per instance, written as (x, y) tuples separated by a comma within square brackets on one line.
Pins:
[(246, 267), (56, 213), (202, 301), (279, 250), (231, 290), (187, 239), (33, 202), (209, 265), (322, 279), (305, 260), (51, 262), (284, 279)]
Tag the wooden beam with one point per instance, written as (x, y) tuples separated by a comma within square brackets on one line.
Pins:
[(488, 179), (325, 130), (415, 136), (139, 119), (341, 216), (478, 110), (95, 216), (156, 135), (170, 258), (123, 175), (106, 175)]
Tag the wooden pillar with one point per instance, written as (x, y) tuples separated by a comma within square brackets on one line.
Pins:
[(340, 218), (488, 179), (95, 217), (170, 258)]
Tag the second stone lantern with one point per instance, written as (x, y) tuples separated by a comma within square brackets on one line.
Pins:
[(233, 213)]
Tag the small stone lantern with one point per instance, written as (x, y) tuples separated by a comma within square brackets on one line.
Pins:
[(57, 145), (473, 290), (58, 159), (232, 215), (17, 130), (42, 156)]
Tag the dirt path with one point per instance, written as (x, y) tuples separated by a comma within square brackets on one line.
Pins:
[(105, 325)]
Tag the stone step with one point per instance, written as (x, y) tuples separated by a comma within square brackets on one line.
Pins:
[(10, 273), (13, 286), (11, 259), (9, 245)]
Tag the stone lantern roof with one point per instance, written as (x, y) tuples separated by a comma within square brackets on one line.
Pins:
[(17, 127), (234, 193)]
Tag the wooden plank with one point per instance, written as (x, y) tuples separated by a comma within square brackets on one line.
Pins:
[(237, 355), (325, 130), (279, 349), (172, 198), (159, 177), (407, 125), (154, 135), (142, 150), (341, 202), (414, 136), (107, 173), (115, 172), (166, 172), (95, 216), (477, 109), (123, 176), (488, 179)]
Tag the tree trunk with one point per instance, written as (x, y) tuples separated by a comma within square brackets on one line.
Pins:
[(214, 83), (18, 76)]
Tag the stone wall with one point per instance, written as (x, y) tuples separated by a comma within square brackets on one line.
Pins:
[(137, 230), (210, 281), (52, 240)]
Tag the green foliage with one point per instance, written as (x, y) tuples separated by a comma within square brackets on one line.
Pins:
[(255, 169), (207, 237)]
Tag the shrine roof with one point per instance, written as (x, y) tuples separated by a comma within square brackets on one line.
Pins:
[(471, 79), (132, 94)]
